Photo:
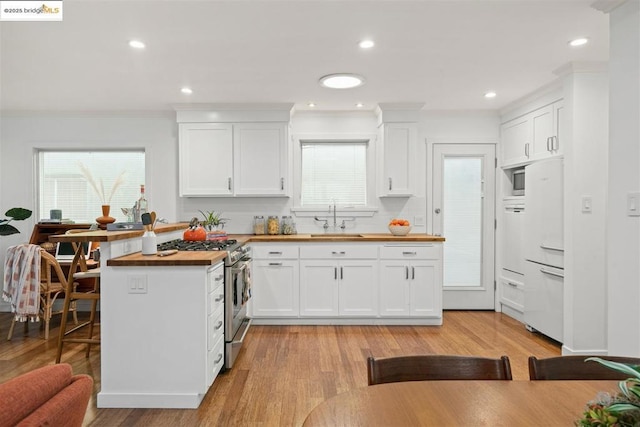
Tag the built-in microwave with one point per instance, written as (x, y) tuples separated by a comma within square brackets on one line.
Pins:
[(518, 182)]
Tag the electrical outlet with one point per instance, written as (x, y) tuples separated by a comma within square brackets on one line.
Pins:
[(418, 220), (137, 283)]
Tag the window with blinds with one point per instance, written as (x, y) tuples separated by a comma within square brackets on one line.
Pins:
[(117, 175), (334, 172)]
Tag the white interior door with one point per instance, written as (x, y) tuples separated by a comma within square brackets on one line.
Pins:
[(464, 213)]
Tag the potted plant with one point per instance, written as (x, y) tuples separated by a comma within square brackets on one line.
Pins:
[(620, 409), (213, 220), (18, 214)]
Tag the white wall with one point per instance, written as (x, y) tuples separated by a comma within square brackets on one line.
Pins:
[(585, 174), (623, 232)]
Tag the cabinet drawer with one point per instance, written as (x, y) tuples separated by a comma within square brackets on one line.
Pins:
[(215, 299), (427, 251), (215, 327), (215, 278), (215, 360), (339, 251), (512, 293), (275, 251)]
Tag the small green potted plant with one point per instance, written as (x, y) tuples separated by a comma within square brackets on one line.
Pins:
[(213, 220), (620, 409), (17, 214)]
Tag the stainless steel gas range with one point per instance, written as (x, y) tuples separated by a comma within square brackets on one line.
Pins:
[(237, 289)]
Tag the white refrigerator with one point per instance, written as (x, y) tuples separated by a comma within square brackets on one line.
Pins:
[(544, 248)]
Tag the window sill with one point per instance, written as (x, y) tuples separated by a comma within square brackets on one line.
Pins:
[(361, 211)]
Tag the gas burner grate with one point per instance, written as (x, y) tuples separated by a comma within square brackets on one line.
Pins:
[(205, 245)]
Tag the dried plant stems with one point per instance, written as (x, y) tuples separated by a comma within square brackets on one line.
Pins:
[(104, 198)]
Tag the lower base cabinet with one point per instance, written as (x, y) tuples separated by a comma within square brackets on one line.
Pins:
[(276, 289), (410, 288)]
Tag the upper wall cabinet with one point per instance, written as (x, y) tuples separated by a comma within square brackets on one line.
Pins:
[(233, 150), (398, 134), (533, 136)]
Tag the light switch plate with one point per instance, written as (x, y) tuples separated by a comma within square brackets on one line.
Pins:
[(137, 283), (633, 204), (587, 204)]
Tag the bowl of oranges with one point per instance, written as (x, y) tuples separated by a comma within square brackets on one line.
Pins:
[(399, 227)]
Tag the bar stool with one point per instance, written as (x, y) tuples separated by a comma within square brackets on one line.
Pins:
[(73, 295)]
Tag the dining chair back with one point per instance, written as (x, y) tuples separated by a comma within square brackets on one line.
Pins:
[(53, 283), (437, 367), (575, 368)]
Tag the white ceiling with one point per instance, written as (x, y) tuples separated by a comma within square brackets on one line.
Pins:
[(446, 54)]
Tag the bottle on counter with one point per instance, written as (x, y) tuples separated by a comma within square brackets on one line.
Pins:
[(141, 206), (258, 224), (287, 225), (273, 225)]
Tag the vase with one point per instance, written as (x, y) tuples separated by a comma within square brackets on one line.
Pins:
[(105, 218)]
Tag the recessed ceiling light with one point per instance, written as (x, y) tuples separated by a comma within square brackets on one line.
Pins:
[(359, 105), (341, 81), (311, 104), (366, 44), (490, 95), (579, 42), (137, 44), (186, 90)]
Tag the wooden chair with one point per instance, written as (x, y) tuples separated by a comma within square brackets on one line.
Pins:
[(437, 367), (78, 271), (52, 284), (575, 368)]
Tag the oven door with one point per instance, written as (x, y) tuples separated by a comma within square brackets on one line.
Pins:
[(237, 294)]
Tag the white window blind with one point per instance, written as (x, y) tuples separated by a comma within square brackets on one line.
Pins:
[(334, 172), (62, 184)]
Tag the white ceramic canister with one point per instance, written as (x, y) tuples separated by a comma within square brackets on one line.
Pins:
[(149, 243)]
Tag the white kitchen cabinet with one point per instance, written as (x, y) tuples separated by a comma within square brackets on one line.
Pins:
[(260, 159), (338, 280), (398, 147), (215, 322), (546, 128), (511, 291), (516, 142), (276, 285), (205, 159), (233, 159), (533, 136), (411, 280)]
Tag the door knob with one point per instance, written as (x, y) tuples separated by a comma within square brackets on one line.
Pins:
[(437, 210)]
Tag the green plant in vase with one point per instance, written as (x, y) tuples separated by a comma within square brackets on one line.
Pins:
[(213, 220), (621, 409)]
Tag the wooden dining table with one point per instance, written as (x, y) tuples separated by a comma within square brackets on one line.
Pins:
[(460, 403)]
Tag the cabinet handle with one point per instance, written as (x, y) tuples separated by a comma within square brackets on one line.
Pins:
[(551, 248), (219, 325), (512, 284), (406, 273), (338, 253), (413, 273), (551, 273), (229, 183), (526, 149), (409, 253), (219, 278), (220, 298), (548, 139), (275, 263), (218, 359), (555, 145), (335, 273), (341, 275), (275, 253), (390, 184), (282, 183)]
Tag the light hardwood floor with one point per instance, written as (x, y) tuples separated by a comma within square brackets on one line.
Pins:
[(285, 371)]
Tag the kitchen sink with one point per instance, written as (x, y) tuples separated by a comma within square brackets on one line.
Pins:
[(337, 235)]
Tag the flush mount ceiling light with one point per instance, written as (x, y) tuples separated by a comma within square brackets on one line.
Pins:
[(366, 44), (341, 81), (579, 42), (186, 90), (311, 104), (136, 44), (359, 105), (490, 95)]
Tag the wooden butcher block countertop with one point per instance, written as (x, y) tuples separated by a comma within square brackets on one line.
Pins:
[(182, 258), (110, 236), (347, 237)]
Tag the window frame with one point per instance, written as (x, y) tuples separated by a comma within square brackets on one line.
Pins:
[(358, 211)]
